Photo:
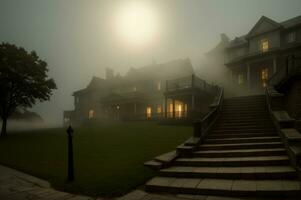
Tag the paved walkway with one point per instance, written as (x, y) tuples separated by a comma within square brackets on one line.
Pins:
[(15, 185)]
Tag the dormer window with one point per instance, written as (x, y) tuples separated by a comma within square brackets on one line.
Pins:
[(264, 45), (291, 37)]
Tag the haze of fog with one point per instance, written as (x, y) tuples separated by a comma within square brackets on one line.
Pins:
[(79, 39)]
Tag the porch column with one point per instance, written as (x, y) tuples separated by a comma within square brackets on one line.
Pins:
[(192, 102), (165, 107), (248, 76), (274, 65), (173, 108)]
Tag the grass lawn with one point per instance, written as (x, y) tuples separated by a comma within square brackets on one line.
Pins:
[(108, 158)]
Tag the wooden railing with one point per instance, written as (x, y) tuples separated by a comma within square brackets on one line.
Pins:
[(189, 82), (291, 68), (202, 126)]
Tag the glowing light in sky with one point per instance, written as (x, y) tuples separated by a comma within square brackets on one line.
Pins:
[(137, 23)]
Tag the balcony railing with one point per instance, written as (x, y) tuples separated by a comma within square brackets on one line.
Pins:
[(291, 68), (187, 83)]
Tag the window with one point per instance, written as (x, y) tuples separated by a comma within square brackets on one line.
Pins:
[(291, 37), (148, 112), (159, 109), (264, 76), (91, 114), (241, 79), (264, 45), (159, 85)]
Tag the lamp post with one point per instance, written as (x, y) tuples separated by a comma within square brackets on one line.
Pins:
[(70, 177)]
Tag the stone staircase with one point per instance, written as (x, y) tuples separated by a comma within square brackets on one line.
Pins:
[(242, 156)]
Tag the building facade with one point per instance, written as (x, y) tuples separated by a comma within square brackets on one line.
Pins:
[(255, 57), (157, 91)]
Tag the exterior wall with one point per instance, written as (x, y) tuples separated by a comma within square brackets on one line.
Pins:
[(272, 37), (237, 52), (293, 100)]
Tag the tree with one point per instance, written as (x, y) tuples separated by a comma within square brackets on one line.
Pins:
[(23, 81)]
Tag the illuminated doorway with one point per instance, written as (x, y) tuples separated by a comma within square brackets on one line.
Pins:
[(264, 75), (91, 114), (148, 112)]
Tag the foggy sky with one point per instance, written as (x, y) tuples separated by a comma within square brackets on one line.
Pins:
[(76, 38)]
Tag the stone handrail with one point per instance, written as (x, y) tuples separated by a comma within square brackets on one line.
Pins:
[(201, 126), (291, 68), (285, 126)]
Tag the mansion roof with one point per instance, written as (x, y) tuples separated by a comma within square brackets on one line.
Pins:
[(169, 70), (242, 40)]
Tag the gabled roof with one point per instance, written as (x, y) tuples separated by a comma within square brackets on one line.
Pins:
[(237, 41), (220, 47), (173, 69), (292, 22), (263, 25)]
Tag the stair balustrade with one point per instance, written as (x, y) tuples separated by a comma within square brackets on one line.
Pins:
[(202, 126)]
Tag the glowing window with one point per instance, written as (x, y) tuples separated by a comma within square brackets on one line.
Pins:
[(291, 37), (264, 76), (264, 45), (159, 109), (148, 112), (241, 79), (91, 114), (159, 85)]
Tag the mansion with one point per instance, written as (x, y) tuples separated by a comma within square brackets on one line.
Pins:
[(171, 90), (158, 91), (255, 57)]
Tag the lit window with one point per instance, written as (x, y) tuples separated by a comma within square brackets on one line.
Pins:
[(148, 112), (159, 109), (159, 85), (264, 45), (241, 79), (91, 114), (291, 37), (264, 76)]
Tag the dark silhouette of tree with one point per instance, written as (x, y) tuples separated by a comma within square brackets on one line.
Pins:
[(23, 81)]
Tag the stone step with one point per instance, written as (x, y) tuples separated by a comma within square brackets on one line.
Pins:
[(245, 112), (243, 118), (233, 161), (250, 173), (225, 187), (243, 123), (242, 135), (261, 145), (239, 153), (243, 140), (245, 107), (247, 127), (239, 131), (233, 127)]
